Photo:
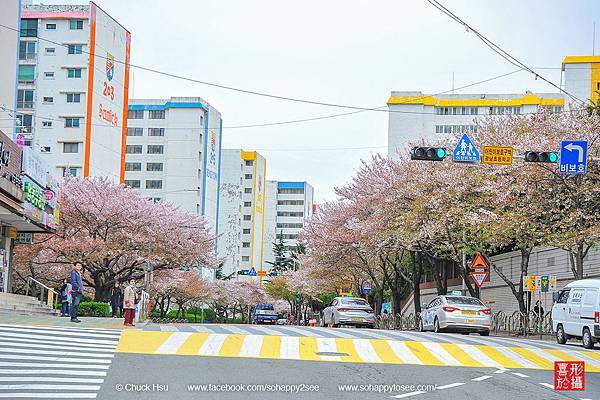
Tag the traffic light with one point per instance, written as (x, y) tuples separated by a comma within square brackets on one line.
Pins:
[(428, 153), (541, 156)]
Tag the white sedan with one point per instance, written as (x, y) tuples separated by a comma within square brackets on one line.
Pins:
[(349, 311), (457, 313)]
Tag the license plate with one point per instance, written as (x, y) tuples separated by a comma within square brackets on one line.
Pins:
[(357, 319), (470, 321), (469, 313)]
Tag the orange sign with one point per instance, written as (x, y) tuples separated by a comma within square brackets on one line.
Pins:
[(261, 273), (497, 155)]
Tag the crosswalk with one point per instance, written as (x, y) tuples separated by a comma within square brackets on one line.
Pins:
[(53, 362), (353, 345)]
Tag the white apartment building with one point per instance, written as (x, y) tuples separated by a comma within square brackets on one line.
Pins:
[(9, 44), (241, 243), (72, 106), (173, 153)]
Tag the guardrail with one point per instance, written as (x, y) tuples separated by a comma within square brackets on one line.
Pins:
[(50, 298)]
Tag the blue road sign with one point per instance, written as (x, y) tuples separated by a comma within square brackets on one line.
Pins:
[(465, 151), (252, 272), (573, 156)]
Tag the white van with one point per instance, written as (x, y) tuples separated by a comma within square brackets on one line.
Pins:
[(576, 313)]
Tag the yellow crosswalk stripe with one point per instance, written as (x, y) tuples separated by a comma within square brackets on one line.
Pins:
[(385, 352), (232, 345), (419, 350), (462, 356), (499, 357), (533, 357), (346, 345), (564, 356), (130, 342), (308, 348), (592, 355), (192, 344), (271, 347)]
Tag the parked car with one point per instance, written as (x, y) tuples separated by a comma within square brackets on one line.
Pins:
[(457, 313), (264, 314), (281, 321), (576, 313), (349, 311)]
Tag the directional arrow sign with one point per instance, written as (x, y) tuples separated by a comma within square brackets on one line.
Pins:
[(573, 156)]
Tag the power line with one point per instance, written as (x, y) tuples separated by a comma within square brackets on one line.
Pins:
[(498, 50)]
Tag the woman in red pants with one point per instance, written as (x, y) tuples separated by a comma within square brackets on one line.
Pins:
[(129, 297)]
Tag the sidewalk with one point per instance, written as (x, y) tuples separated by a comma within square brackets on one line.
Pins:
[(49, 320)]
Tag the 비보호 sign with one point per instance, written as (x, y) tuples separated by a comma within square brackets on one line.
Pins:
[(497, 155)]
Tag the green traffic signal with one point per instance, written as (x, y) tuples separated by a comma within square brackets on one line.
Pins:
[(541, 156), (428, 153), (552, 157), (441, 153)]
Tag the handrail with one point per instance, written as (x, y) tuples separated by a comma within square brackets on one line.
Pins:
[(42, 285), (50, 300)]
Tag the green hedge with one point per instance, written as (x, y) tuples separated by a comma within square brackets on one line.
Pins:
[(94, 309)]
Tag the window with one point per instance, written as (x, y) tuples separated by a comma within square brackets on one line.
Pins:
[(71, 122), (133, 183), (155, 149), (248, 176), (563, 296), (45, 149), (249, 163), (48, 99), (73, 97), (135, 114), (287, 236), (50, 51), (75, 49), (76, 24), (26, 73), (69, 171), (29, 27), (154, 184), (246, 231), (24, 123), (247, 217), (289, 225), (247, 204), (290, 202), (245, 258), (248, 190), (27, 50), (133, 166), (46, 124), (70, 147), (157, 114), (154, 199), (49, 75), (133, 149), (156, 131), (51, 27), (154, 166), (135, 131), (290, 190), (74, 73), (25, 98), (290, 213), (590, 297), (245, 244)]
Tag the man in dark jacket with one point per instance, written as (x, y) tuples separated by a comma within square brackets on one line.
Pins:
[(116, 300), (77, 285)]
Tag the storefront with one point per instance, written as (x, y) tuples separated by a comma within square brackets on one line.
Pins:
[(24, 187)]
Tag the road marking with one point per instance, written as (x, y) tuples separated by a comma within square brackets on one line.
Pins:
[(212, 345), (479, 356), (49, 379), (268, 331), (192, 344), (61, 339), (147, 343), (451, 385), (173, 343), (549, 386), (515, 357), (49, 387), (236, 330), (462, 356), (290, 347), (52, 372), (520, 375), (57, 353), (308, 348), (301, 332), (365, 351), (481, 378), (327, 345), (345, 345), (495, 354), (62, 333), (403, 352), (251, 346), (385, 353), (63, 359), (232, 346), (55, 346), (335, 332), (441, 354), (115, 332), (534, 357), (62, 395), (168, 328), (421, 352), (271, 347), (47, 365), (500, 371), (405, 395)]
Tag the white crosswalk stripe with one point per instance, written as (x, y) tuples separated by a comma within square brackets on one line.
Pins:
[(54, 363)]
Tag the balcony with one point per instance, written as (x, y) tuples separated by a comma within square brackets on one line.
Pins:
[(25, 105), (27, 58)]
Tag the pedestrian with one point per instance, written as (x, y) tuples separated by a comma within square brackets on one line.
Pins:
[(121, 300), (116, 297), (77, 290), (65, 297), (129, 300), (538, 309)]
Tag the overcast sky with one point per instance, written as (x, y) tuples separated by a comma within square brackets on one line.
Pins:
[(338, 51)]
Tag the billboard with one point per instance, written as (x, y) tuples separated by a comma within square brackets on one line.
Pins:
[(108, 87), (258, 218), (212, 166)]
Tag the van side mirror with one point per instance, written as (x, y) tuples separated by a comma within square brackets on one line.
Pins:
[(424, 306)]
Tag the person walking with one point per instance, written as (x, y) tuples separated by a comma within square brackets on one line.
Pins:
[(538, 309), (116, 299), (65, 297), (77, 290), (129, 300)]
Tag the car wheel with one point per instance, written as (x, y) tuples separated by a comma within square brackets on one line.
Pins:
[(484, 333), (436, 325), (561, 337), (586, 339)]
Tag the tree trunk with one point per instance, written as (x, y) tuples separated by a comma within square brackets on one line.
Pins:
[(416, 280)]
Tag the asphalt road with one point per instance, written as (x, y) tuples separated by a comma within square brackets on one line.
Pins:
[(139, 376)]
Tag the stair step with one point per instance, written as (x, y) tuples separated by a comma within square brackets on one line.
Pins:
[(28, 310)]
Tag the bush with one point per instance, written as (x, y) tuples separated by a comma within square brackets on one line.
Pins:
[(94, 309)]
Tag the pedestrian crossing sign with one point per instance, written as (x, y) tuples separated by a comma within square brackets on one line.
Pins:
[(252, 272), (465, 151)]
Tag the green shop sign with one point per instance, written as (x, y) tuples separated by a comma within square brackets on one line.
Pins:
[(33, 194)]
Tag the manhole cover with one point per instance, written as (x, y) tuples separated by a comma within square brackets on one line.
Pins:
[(331, 353)]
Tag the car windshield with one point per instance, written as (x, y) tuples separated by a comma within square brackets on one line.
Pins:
[(354, 302), (264, 306), (468, 301)]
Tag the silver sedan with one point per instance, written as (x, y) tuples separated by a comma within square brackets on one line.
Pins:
[(457, 313), (349, 311)]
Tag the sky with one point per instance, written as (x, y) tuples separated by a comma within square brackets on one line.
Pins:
[(338, 51)]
